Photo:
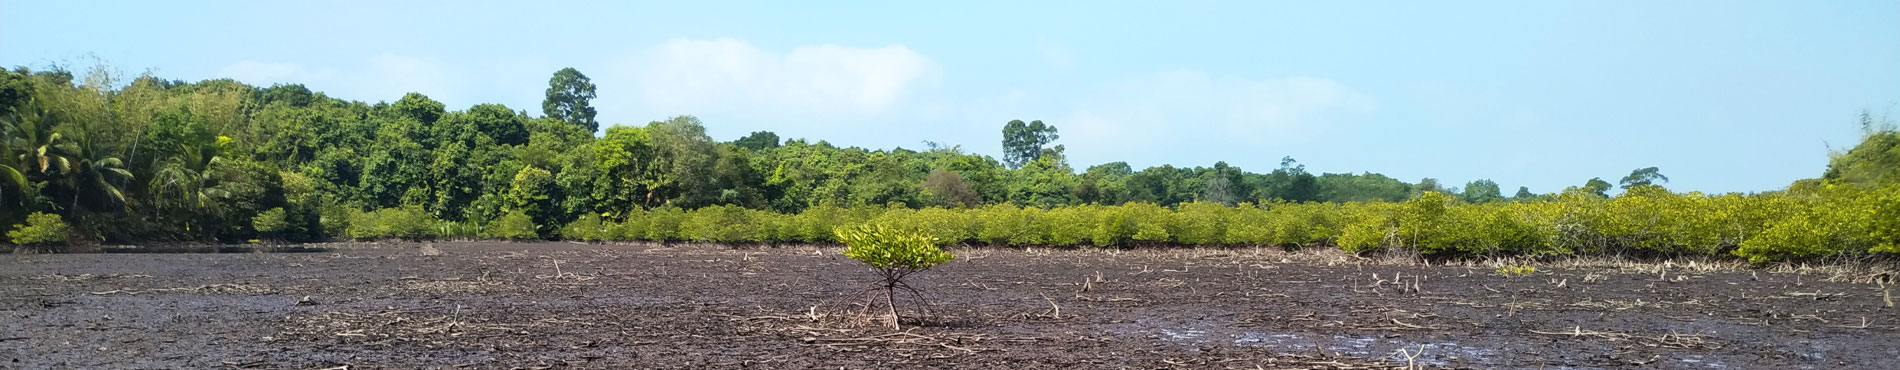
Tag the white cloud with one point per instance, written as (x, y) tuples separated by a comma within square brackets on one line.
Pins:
[(722, 75)]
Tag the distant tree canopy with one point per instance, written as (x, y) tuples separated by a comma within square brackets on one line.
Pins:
[(1362, 188), (1876, 160), (1643, 176), (1482, 191), (758, 140), (1291, 183), (1523, 193), (1597, 186), (162, 160), (568, 97), (1026, 142)]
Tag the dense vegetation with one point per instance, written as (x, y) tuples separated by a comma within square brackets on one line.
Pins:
[(217, 160)]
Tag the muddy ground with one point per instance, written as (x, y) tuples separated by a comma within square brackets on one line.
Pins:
[(561, 305)]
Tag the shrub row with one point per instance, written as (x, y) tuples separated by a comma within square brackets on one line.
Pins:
[(1796, 224)]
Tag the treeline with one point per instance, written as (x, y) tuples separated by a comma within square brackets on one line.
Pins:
[(159, 160), (217, 160), (1646, 220)]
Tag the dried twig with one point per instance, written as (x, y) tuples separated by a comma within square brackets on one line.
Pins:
[(1671, 340), (1886, 291), (1409, 356), (1402, 323), (1053, 307)]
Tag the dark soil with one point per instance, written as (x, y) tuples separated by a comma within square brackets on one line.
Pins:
[(557, 305)]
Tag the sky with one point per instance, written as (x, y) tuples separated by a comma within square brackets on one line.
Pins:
[(1723, 96)]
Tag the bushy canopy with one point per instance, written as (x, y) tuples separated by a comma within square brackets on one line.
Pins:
[(887, 248)]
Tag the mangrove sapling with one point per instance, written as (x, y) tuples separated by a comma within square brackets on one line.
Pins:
[(41, 232), (1514, 272), (893, 255)]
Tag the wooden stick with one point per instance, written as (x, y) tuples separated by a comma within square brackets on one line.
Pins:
[(1052, 303)]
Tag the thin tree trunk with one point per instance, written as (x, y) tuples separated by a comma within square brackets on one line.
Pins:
[(891, 301)]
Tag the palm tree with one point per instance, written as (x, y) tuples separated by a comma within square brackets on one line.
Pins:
[(12, 137), (100, 180), (11, 179), (41, 157), (189, 180), (53, 157), (30, 130)]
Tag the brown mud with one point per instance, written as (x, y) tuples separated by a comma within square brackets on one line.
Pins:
[(485, 305)]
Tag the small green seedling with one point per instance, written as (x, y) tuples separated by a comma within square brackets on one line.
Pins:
[(894, 255), (1516, 271)]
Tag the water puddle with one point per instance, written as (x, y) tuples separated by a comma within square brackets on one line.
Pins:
[(1184, 335), (1694, 360), (1395, 349)]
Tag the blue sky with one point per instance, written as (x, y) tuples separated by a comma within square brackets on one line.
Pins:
[(1722, 95)]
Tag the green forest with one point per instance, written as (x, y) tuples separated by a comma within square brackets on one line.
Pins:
[(90, 159)]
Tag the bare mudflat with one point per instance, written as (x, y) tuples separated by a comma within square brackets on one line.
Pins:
[(556, 305)]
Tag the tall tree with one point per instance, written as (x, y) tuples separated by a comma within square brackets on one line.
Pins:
[(1104, 184), (568, 95), (23, 135), (187, 182), (60, 156), (682, 165), (624, 159), (758, 140), (417, 107), (16, 86), (1165, 185), (395, 169), (1222, 184), (1044, 182), (1025, 142), (455, 180), (498, 123), (1643, 176), (1426, 185), (1597, 186), (1523, 194), (1292, 183), (533, 193), (1482, 191), (738, 182), (295, 95)]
